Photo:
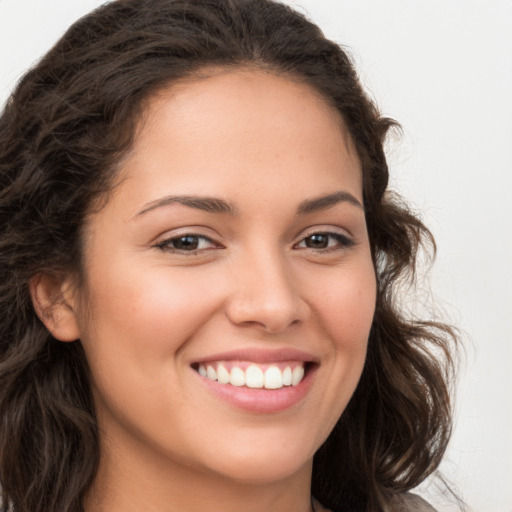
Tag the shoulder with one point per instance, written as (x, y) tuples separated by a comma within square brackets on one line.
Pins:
[(409, 502)]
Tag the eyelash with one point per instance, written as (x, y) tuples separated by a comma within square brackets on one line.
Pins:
[(341, 242), (167, 245)]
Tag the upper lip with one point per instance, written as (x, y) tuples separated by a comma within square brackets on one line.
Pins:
[(258, 355)]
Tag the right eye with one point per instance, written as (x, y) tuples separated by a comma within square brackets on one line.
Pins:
[(188, 242)]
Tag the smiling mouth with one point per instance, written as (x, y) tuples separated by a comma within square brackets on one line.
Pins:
[(253, 375)]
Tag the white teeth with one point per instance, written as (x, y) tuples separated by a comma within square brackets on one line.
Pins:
[(273, 378), (211, 373), (222, 374), (297, 375), (237, 377), (287, 376), (254, 376)]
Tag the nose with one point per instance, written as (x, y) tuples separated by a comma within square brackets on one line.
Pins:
[(265, 295)]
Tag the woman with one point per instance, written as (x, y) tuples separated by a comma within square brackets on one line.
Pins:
[(199, 270)]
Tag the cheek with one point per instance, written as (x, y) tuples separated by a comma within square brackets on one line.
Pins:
[(145, 311), (137, 324), (346, 307), (344, 310)]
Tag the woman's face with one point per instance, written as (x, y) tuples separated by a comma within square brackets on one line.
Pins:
[(235, 246)]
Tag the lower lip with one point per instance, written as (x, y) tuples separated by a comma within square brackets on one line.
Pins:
[(261, 400)]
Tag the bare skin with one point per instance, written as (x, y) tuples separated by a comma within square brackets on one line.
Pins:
[(238, 226)]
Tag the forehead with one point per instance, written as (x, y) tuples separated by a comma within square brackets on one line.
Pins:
[(240, 128), (235, 94)]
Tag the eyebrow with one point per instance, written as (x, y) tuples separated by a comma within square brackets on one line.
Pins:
[(206, 204), (217, 205), (327, 201)]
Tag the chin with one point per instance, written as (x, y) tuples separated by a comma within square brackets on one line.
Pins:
[(263, 466)]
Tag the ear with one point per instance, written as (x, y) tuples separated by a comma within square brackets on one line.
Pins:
[(55, 305)]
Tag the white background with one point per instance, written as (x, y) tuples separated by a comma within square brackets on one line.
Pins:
[(443, 69)]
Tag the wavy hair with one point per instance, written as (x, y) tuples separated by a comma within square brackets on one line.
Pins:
[(63, 133)]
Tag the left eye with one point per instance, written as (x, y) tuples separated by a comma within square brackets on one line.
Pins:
[(187, 243), (324, 241)]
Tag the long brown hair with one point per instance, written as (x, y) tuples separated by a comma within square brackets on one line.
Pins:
[(62, 133)]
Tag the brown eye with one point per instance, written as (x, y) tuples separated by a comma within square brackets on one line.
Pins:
[(325, 241), (187, 243), (317, 241)]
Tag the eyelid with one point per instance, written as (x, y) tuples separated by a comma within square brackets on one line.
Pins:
[(164, 242), (192, 230), (346, 242), (325, 229)]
